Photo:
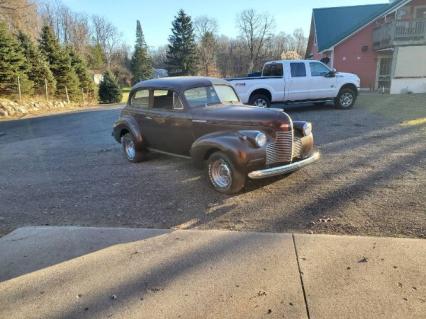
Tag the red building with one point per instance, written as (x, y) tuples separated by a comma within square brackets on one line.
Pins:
[(384, 44)]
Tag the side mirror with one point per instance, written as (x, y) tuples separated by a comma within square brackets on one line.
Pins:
[(331, 74)]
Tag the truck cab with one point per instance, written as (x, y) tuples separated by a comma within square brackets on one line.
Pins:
[(298, 81)]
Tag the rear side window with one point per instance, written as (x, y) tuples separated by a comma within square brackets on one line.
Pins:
[(298, 69), (166, 99), (273, 69), (140, 99)]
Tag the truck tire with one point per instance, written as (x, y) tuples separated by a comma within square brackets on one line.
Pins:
[(345, 99), (260, 100), (129, 148), (223, 176)]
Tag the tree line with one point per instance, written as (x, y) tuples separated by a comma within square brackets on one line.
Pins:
[(67, 48)]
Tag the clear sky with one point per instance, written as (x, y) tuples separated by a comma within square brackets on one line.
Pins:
[(156, 15)]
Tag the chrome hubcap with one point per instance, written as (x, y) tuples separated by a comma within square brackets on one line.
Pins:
[(346, 99), (220, 174), (261, 103), (129, 148)]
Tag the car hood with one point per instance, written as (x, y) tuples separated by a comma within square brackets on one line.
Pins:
[(241, 115)]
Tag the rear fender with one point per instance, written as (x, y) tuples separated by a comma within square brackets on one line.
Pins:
[(127, 123)]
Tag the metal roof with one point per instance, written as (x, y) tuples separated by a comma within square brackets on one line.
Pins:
[(334, 24)]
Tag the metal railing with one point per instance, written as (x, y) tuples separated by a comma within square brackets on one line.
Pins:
[(396, 33)]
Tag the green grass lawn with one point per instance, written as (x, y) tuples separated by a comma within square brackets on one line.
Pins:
[(400, 107), (125, 91)]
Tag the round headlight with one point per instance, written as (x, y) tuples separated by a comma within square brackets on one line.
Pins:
[(307, 128), (260, 139)]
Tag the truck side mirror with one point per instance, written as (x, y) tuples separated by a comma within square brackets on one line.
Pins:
[(331, 74)]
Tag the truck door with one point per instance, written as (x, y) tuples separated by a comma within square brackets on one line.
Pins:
[(297, 87), (321, 81)]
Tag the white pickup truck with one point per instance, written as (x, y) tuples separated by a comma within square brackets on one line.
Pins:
[(298, 81)]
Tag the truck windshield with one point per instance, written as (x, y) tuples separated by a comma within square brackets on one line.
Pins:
[(209, 95)]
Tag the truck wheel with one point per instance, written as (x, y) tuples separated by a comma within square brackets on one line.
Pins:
[(345, 99), (260, 100), (129, 148), (223, 176)]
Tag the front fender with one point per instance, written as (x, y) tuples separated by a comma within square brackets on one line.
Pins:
[(240, 150), (127, 123)]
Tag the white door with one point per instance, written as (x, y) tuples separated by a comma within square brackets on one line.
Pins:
[(323, 85), (297, 87)]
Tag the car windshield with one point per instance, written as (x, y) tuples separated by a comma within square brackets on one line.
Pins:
[(226, 94), (210, 95)]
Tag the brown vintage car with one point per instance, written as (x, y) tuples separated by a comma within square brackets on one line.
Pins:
[(203, 119)]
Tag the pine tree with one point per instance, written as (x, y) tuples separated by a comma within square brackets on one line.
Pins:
[(80, 68), (39, 69), (182, 50), (13, 65), (60, 65), (109, 90), (141, 64)]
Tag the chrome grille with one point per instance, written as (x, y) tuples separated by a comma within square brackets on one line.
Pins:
[(297, 147), (281, 151)]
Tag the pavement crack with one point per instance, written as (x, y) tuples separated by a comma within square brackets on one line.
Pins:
[(301, 278)]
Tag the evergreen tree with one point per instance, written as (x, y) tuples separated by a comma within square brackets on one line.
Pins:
[(96, 58), (182, 50), (39, 69), (109, 90), (60, 65), (141, 64), (80, 68), (12, 65)]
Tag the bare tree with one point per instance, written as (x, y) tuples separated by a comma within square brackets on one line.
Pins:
[(205, 29), (254, 29), (20, 15), (300, 41), (159, 57), (107, 36), (204, 24)]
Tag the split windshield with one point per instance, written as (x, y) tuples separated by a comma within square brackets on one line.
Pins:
[(210, 95)]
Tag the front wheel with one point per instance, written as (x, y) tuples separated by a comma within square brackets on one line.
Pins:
[(129, 147), (345, 99), (223, 176), (260, 100)]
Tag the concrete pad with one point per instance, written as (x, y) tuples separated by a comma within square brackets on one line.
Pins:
[(363, 277), (31, 248), (177, 274)]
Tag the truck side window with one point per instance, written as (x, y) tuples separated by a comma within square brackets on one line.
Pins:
[(298, 69), (318, 69), (140, 99), (273, 69)]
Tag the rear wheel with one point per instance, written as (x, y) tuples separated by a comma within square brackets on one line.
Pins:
[(129, 147), (345, 99), (260, 100), (223, 176)]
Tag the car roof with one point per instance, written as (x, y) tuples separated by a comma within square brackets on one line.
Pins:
[(180, 83)]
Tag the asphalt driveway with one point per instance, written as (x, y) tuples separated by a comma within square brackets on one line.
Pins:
[(67, 170)]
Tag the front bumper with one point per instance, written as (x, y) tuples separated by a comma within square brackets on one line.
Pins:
[(280, 170)]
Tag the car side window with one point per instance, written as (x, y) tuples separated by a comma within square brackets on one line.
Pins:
[(140, 99), (166, 100), (318, 69), (273, 69), (298, 69)]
